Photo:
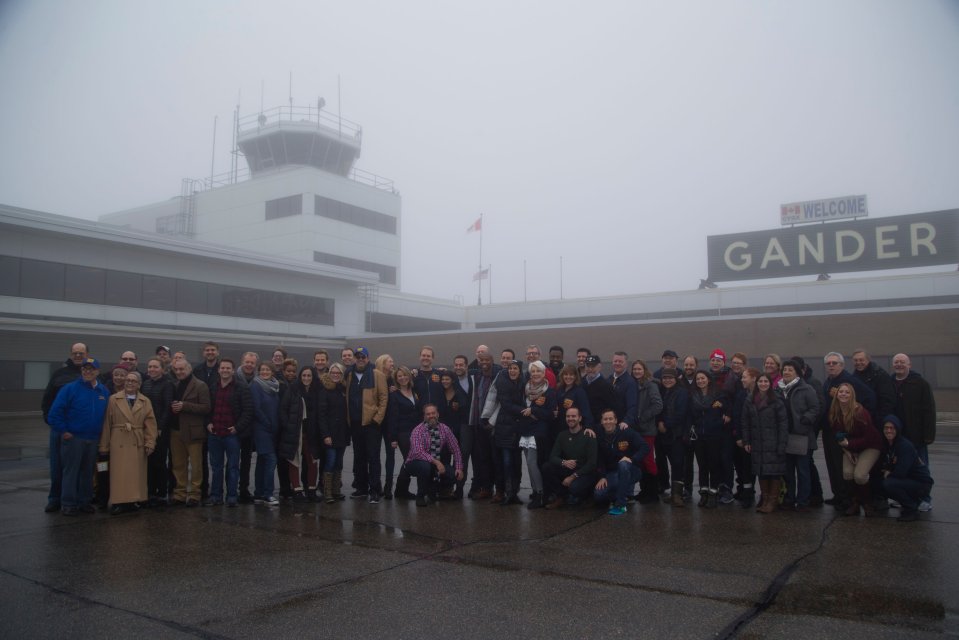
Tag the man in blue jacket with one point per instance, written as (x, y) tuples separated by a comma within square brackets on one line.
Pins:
[(77, 418)]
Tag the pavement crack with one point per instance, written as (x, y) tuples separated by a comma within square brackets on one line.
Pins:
[(170, 624), (775, 586)]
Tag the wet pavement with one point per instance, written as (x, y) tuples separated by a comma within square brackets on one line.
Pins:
[(474, 570)]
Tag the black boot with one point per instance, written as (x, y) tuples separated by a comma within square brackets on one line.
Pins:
[(747, 497), (536, 501), (388, 489)]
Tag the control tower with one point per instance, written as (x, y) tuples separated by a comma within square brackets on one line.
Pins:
[(301, 197), (308, 136)]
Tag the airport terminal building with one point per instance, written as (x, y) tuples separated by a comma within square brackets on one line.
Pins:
[(303, 250)]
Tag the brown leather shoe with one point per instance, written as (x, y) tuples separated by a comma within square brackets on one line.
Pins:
[(498, 498), (482, 494), (557, 503)]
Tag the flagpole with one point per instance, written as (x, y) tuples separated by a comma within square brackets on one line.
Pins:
[(490, 291), (479, 283)]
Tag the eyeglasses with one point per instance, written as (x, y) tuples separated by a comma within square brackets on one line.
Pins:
[(834, 363), (127, 359)]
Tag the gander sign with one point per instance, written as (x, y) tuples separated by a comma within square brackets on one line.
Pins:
[(919, 240)]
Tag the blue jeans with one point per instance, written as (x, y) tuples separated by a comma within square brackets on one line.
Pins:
[(334, 459), (797, 469), (619, 483), (79, 459), (218, 446), (263, 484), (56, 469), (907, 492)]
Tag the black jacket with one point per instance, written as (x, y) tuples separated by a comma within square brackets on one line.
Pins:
[(881, 384), (160, 394), (62, 376), (331, 413), (292, 422)]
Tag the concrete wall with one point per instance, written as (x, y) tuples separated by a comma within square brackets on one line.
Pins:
[(916, 333)]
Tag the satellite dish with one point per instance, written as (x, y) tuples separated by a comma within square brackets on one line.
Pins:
[(261, 119)]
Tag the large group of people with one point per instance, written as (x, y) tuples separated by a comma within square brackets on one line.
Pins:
[(185, 435)]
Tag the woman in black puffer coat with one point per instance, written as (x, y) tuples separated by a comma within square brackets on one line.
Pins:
[(510, 396), (765, 430), (334, 430)]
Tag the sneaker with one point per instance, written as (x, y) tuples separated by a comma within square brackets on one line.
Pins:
[(270, 501), (359, 494), (87, 508), (894, 504), (52, 507), (726, 498), (70, 511), (374, 497), (925, 506), (212, 502), (422, 501), (231, 502), (908, 516), (257, 500), (617, 511)]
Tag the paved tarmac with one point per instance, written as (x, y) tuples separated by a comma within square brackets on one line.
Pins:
[(467, 569)]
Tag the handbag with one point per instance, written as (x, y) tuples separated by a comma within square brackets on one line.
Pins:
[(797, 444)]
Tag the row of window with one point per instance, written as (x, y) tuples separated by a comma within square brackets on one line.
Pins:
[(387, 273), (28, 278), (332, 209)]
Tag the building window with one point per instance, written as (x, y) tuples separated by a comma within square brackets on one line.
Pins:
[(274, 305), (124, 289), (191, 296), (352, 214), (387, 273), (84, 284), (284, 207), (10, 278), (36, 375), (159, 293), (41, 279)]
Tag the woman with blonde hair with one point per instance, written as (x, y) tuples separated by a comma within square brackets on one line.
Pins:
[(861, 444), (385, 364), (128, 437)]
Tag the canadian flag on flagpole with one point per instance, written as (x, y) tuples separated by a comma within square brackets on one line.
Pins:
[(476, 226), (481, 275)]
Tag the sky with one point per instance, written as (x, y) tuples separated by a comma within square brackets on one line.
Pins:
[(609, 137)]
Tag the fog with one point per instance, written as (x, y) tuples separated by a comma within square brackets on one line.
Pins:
[(612, 136)]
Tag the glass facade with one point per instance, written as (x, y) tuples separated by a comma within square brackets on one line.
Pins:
[(70, 283), (284, 207), (336, 210), (387, 273)]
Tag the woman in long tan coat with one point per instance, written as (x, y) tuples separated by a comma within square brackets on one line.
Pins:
[(129, 436)]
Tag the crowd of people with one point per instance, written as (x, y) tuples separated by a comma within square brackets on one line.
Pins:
[(184, 435)]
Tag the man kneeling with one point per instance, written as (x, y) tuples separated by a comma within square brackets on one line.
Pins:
[(427, 443), (621, 453), (570, 472)]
